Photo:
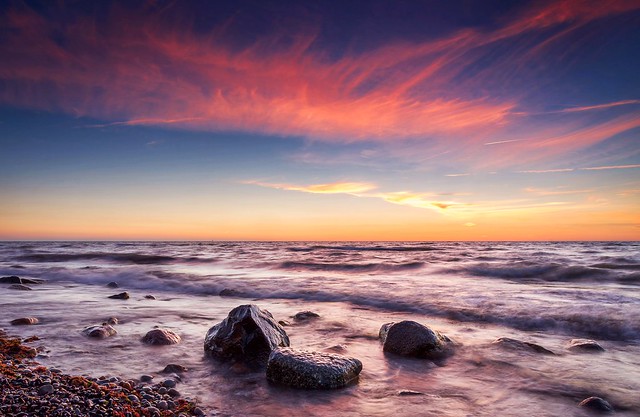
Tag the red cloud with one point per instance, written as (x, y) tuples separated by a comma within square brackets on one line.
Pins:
[(137, 71)]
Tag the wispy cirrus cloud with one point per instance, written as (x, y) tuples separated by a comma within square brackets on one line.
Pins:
[(353, 188), (137, 70)]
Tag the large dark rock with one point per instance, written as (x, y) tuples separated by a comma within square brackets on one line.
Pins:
[(311, 370), (596, 404), (161, 337), (584, 345), (99, 332), (409, 338), (514, 344), (248, 333)]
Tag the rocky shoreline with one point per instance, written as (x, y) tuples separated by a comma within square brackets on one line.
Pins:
[(29, 389)]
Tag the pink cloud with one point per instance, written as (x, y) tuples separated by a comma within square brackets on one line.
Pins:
[(137, 71)]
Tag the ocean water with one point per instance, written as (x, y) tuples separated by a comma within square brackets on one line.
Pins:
[(475, 292)]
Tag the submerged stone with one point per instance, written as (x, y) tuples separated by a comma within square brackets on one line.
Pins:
[(311, 370), (121, 296), (248, 333), (514, 344), (19, 287), (584, 345), (306, 315), (161, 337), (596, 404), (100, 332), (24, 321), (409, 338)]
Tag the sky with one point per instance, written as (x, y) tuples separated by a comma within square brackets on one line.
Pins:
[(320, 120)]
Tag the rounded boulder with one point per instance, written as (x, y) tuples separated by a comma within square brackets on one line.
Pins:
[(409, 338), (311, 370)]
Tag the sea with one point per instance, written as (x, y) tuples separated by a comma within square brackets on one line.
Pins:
[(546, 293)]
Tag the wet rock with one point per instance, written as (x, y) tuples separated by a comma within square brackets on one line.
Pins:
[(100, 332), (146, 378), (198, 412), (149, 297), (169, 383), (408, 393), (247, 333), (112, 284), (306, 315), (13, 279), (161, 337), (45, 389), (409, 338), (311, 370), (514, 344), (596, 404), (173, 368), (121, 296), (284, 323), (172, 392), (19, 287), (112, 320), (24, 321), (584, 345)]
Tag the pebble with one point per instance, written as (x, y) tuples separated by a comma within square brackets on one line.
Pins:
[(146, 378), (596, 404), (198, 411), (169, 383), (173, 392), (162, 405), (45, 389), (133, 398)]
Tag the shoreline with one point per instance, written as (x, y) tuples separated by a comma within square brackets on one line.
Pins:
[(28, 387)]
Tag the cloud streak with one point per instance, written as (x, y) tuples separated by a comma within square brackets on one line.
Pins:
[(138, 71)]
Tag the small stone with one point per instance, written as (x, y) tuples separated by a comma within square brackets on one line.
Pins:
[(133, 398), (169, 383), (306, 315), (173, 392), (198, 412), (584, 345), (146, 378), (24, 321), (173, 368), (284, 323), (596, 404), (112, 284), (19, 287), (149, 297), (408, 392), (99, 332), (45, 389), (162, 390), (227, 292), (153, 411), (514, 344), (121, 296), (161, 337), (162, 405), (112, 320)]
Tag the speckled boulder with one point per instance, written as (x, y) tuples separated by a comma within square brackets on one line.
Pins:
[(514, 344), (161, 337), (409, 338), (311, 370), (99, 332), (247, 333), (584, 345), (24, 321)]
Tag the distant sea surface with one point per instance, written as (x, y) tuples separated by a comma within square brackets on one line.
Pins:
[(475, 292)]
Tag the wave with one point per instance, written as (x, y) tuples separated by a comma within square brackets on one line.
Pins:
[(534, 271), (131, 258), (342, 267), (373, 248)]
